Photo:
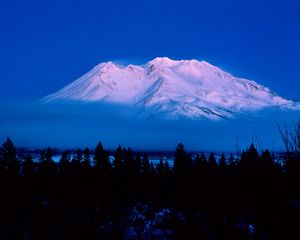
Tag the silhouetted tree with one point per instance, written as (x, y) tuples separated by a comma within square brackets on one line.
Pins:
[(86, 161), (266, 158), (145, 164), (47, 167), (160, 167), (64, 163), (118, 161), (253, 199), (42, 156), (222, 162), (231, 161), (76, 163), (243, 158), (109, 162), (250, 158), (181, 161), (212, 161), (152, 168), (253, 154), (203, 157), (77, 156), (198, 165), (101, 158), (48, 154), (167, 167), (8, 158), (129, 162), (291, 139), (138, 163), (28, 166)]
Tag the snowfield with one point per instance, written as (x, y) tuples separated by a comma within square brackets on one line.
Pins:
[(171, 88)]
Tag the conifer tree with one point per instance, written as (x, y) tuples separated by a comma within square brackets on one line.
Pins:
[(118, 161), (231, 161), (212, 161), (253, 154), (28, 166), (198, 164), (145, 164), (243, 159), (222, 162), (108, 166), (76, 163), (129, 162), (160, 167), (266, 157), (152, 168), (9, 162), (47, 167), (180, 161), (42, 156), (86, 161), (64, 163), (138, 163), (101, 158), (49, 155), (203, 157), (167, 167), (250, 158), (77, 156)]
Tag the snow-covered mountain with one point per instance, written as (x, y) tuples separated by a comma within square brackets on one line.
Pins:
[(188, 88)]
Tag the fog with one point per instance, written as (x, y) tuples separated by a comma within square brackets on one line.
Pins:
[(72, 125)]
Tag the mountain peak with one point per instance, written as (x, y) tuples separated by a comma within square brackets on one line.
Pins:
[(169, 61), (162, 60), (163, 86)]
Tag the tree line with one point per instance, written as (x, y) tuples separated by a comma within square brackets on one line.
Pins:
[(90, 196)]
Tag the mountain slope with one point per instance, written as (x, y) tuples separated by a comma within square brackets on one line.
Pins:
[(172, 88)]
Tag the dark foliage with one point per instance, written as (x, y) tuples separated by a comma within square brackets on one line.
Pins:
[(128, 197)]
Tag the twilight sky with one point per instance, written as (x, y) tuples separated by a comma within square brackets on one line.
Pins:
[(46, 44)]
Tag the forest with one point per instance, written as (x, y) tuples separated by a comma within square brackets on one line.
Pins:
[(87, 196)]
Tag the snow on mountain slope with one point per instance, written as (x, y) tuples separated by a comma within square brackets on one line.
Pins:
[(172, 88), (107, 81)]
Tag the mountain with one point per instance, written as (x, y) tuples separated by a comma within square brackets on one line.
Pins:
[(172, 88)]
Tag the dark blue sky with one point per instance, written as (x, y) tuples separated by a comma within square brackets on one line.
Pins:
[(46, 44)]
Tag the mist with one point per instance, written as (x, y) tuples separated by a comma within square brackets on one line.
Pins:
[(72, 125)]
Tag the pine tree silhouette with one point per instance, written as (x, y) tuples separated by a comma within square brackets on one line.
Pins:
[(29, 167), (231, 161), (160, 168), (250, 199), (76, 166), (118, 161), (138, 163), (222, 162), (9, 163), (167, 167), (101, 158), (64, 163), (145, 164), (267, 159), (86, 162), (180, 161), (212, 161), (47, 167)]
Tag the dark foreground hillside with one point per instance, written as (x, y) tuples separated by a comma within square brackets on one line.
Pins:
[(251, 197)]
